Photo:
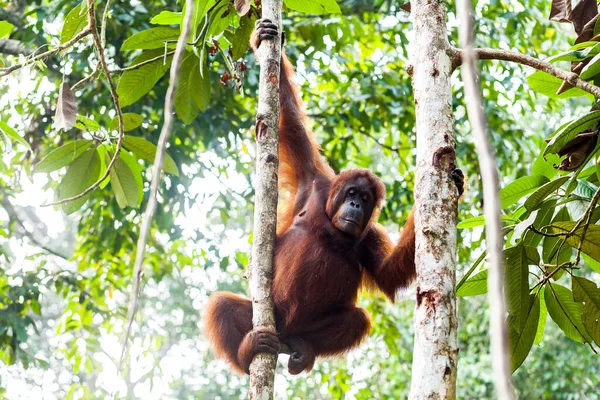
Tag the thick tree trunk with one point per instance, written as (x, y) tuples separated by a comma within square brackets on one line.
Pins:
[(262, 369), (436, 347)]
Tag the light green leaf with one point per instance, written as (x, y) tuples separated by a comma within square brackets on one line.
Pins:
[(166, 18), (6, 29), (136, 169), (75, 21), (81, 174), (123, 184), (136, 83), (521, 340), (480, 221), (544, 165), (591, 243), (564, 311), (474, 286), (184, 103), (200, 84), (510, 194), (570, 130), (104, 160), (153, 38), (313, 6), (241, 37), (537, 197), (587, 292), (147, 151), (12, 134), (539, 335), (591, 69), (548, 85), (62, 156), (593, 264), (86, 124), (130, 122)]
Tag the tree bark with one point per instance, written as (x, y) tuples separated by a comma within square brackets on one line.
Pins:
[(262, 369), (436, 346), (491, 207)]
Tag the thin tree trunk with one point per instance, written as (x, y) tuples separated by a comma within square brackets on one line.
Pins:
[(436, 346), (262, 369), (491, 208)]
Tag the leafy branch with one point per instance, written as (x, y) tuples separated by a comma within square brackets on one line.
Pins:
[(512, 56)]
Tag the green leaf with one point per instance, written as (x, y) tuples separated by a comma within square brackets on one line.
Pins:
[(86, 124), (166, 18), (6, 29), (136, 83), (570, 130), (480, 221), (313, 6), (542, 218), (147, 151), (587, 292), (521, 340), (200, 86), (241, 37), (136, 169), (591, 243), (130, 122), (540, 194), (510, 194), (548, 85), (475, 286), (104, 160), (123, 184), (12, 134), (593, 264), (75, 21), (591, 69), (575, 55), (62, 156), (81, 174), (545, 165), (153, 38), (539, 335), (564, 311), (517, 284), (184, 103)]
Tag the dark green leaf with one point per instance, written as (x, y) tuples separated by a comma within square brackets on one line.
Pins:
[(124, 184), (241, 38), (587, 292), (591, 243), (200, 86), (184, 104), (147, 151), (540, 194), (564, 311), (510, 194), (81, 174), (570, 130), (517, 284), (521, 340), (136, 83), (63, 156)]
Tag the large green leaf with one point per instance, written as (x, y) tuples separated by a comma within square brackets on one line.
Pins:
[(475, 286), (86, 124), (587, 292), (313, 6), (552, 245), (591, 69), (517, 284), (124, 184), (62, 156), (593, 264), (166, 18), (147, 151), (543, 216), (136, 83), (184, 103), (568, 132), (200, 86), (153, 38), (135, 167), (591, 243), (75, 21), (540, 194), (241, 37), (81, 174), (521, 340), (480, 221), (130, 122), (6, 29), (564, 311), (539, 335), (12, 134), (548, 85), (510, 194)]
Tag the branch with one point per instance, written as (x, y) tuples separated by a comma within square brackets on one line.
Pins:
[(14, 48), (156, 174), (511, 56), (12, 17), (262, 368), (86, 31), (113, 92), (501, 365)]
